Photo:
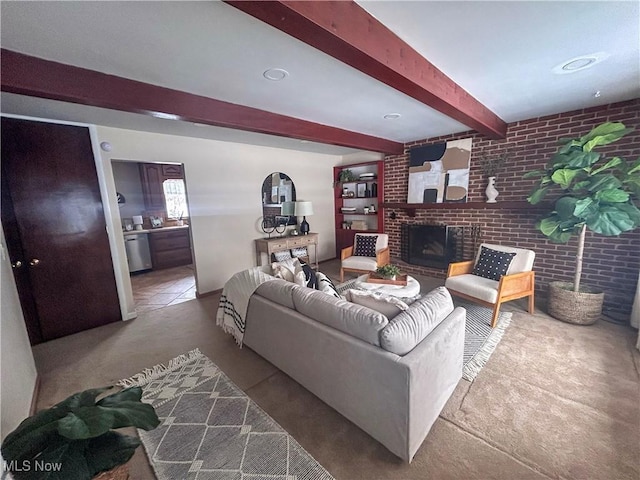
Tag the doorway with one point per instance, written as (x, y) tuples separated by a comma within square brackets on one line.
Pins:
[(154, 215)]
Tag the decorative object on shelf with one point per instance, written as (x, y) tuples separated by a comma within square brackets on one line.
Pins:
[(347, 175), (348, 209), (598, 193), (367, 176), (361, 189), (156, 221), (269, 225), (76, 436), (303, 209), (121, 199), (439, 173), (388, 271), (366, 210), (137, 222), (374, 189), (372, 208), (491, 192)]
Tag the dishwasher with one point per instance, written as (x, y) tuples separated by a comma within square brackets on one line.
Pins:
[(138, 254)]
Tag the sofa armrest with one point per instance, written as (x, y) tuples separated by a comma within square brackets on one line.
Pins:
[(382, 256), (346, 253), (460, 268), (516, 285)]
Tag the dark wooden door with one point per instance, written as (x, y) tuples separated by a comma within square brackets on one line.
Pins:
[(59, 229)]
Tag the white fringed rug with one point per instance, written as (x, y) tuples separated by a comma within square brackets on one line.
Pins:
[(480, 340), (210, 428)]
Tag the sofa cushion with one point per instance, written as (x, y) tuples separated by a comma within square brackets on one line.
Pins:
[(492, 264), (387, 305), (355, 320), (278, 291), (360, 263), (474, 286), (410, 327)]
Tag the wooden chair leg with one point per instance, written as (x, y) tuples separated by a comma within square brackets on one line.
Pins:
[(494, 317), (532, 303), (341, 275)]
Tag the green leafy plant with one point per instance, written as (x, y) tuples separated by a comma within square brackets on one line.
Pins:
[(596, 192), (74, 440), (388, 271), (347, 175)]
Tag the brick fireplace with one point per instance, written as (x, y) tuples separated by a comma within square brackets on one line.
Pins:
[(610, 263)]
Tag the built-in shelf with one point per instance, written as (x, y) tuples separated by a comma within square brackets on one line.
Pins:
[(412, 207)]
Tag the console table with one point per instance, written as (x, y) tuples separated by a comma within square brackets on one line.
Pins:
[(277, 244)]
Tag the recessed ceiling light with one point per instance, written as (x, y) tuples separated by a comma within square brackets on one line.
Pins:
[(597, 94), (392, 116), (275, 74), (579, 63)]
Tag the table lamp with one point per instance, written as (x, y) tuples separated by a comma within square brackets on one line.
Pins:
[(302, 210)]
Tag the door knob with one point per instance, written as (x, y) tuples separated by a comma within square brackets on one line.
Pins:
[(18, 264), (34, 262)]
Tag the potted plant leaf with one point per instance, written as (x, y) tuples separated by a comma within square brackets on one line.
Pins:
[(388, 271), (595, 192), (74, 440)]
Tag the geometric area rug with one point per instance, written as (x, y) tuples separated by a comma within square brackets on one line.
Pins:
[(210, 429), (480, 340)]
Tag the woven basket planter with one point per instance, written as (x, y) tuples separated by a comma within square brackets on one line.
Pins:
[(581, 308), (121, 472)]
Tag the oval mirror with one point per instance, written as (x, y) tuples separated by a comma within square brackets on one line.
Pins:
[(278, 194)]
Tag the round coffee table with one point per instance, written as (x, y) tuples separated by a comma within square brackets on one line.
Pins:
[(411, 289)]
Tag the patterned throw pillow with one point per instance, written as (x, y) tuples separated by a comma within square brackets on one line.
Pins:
[(492, 264), (298, 252), (326, 285), (365, 246), (281, 256)]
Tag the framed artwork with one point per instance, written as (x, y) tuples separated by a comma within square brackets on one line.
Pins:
[(361, 190), (439, 173)]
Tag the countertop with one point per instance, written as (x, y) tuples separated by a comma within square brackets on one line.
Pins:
[(155, 230)]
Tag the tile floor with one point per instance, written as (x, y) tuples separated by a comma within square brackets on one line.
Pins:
[(160, 288)]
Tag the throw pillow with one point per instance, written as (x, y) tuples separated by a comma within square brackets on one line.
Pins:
[(325, 285), (281, 256), (387, 305), (492, 264), (287, 270), (311, 280), (298, 252), (365, 246)]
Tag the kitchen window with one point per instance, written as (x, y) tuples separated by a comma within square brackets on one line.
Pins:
[(175, 198)]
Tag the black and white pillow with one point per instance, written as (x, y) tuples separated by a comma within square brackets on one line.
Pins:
[(298, 252), (326, 285), (365, 246), (309, 276), (492, 264), (281, 256)]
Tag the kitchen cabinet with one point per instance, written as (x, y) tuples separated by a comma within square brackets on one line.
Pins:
[(172, 171), (354, 199), (151, 177), (170, 248)]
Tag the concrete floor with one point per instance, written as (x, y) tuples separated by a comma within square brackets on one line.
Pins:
[(554, 401)]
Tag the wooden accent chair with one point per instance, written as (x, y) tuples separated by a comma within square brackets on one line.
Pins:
[(359, 264), (519, 281)]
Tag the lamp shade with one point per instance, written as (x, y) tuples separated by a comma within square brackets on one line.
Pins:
[(304, 209)]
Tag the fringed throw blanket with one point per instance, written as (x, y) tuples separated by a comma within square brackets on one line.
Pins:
[(234, 302)]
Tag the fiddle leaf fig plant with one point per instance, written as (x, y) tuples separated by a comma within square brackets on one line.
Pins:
[(596, 192), (74, 440)]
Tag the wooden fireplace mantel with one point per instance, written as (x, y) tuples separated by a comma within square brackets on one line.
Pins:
[(411, 208)]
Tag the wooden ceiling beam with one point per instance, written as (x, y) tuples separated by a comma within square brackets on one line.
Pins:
[(26, 75), (350, 34)]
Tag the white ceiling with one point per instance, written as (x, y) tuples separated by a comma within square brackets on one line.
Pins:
[(502, 53)]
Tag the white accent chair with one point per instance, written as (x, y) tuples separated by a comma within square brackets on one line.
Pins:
[(519, 281), (352, 263)]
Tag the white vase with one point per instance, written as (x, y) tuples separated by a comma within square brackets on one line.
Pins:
[(491, 191)]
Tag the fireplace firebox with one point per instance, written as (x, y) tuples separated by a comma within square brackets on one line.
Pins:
[(428, 245)]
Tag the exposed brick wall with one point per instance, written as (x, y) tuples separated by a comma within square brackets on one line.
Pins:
[(610, 263)]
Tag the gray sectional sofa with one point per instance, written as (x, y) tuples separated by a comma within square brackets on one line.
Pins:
[(391, 378)]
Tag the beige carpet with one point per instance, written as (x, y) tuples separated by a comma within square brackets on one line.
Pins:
[(554, 401)]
